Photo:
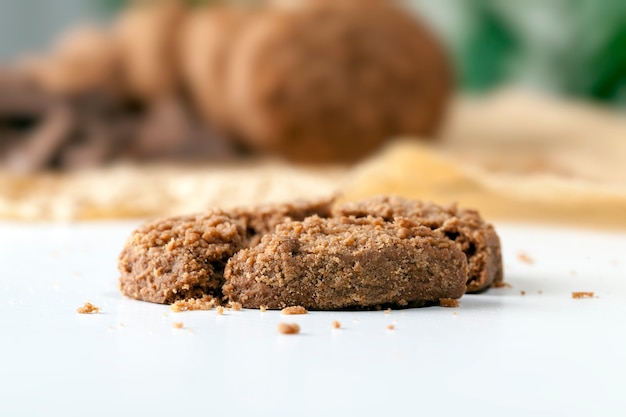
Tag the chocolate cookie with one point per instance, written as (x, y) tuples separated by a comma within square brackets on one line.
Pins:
[(334, 80), (178, 258), (476, 238), (83, 60), (147, 33), (346, 263), (207, 39)]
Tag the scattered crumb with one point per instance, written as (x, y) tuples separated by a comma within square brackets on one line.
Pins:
[(293, 310), (110, 328), (336, 325), (88, 308), (454, 313), (523, 257), (165, 314), (288, 328), (522, 292), (220, 310), (355, 320), (582, 294), (235, 306), (189, 331), (390, 327), (122, 325), (572, 272), (448, 302), (263, 309), (539, 292), (177, 325), (388, 311), (501, 284), (205, 303)]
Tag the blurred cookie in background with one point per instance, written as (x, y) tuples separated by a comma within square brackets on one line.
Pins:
[(207, 39), (147, 35), (331, 82)]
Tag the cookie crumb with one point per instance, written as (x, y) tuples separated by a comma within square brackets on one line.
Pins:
[(454, 313), (522, 292), (122, 325), (501, 284), (235, 306), (539, 292), (177, 325), (388, 311), (336, 325), (263, 309), (293, 310), (88, 308), (391, 327), (582, 294), (288, 328), (205, 303), (220, 310), (523, 257), (448, 302)]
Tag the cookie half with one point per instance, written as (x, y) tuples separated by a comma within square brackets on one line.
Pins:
[(476, 238), (178, 258), (328, 264)]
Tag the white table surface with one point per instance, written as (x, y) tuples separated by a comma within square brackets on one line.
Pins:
[(502, 353)]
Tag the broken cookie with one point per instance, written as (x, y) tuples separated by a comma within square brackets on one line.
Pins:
[(384, 251), (327, 264), (179, 258)]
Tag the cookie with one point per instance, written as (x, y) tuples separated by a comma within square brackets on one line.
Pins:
[(476, 238), (207, 38), (179, 258), (85, 59), (344, 263), (332, 83), (146, 34)]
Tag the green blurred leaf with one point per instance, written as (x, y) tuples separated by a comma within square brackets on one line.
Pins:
[(485, 56)]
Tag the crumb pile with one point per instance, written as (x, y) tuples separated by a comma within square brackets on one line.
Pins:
[(380, 252), (88, 308)]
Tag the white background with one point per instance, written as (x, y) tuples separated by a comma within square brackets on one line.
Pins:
[(503, 353)]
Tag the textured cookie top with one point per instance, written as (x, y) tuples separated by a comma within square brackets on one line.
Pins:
[(389, 207), (263, 219), (215, 231)]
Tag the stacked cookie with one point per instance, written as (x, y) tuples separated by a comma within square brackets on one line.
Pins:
[(373, 253), (323, 82)]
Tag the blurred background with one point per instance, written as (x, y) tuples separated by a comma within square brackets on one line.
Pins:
[(534, 128), (571, 47)]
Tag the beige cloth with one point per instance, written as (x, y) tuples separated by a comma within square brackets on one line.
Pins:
[(514, 156)]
